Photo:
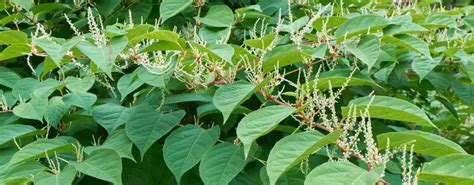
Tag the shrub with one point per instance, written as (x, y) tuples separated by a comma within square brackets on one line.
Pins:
[(236, 92)]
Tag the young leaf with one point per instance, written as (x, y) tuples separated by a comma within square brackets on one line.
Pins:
[(261, 43), (390, 108), (292, 149), (450, 169), (104, 164), (359, 25), (260, 122), (185, 147), (341, 172), (424, 142), (110, 116), (221, 164), (367, 50), (145, 126), (218, 16), (169, 8)]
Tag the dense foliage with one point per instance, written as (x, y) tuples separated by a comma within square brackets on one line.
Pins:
[(236, 92)]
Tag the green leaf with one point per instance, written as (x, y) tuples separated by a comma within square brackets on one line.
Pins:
[(105, 56), (127, 84), (188, 97), (390, 108), (330, 22), (424, 142), (169, 8), (13, 37), (55, 50), (292, 149), (34, 109), (409, 42), (65, 176), (8, 77), (367, 50), (359, 25), (437, 20), (261, 122), (450, 169), (404, 28), (146, 126), (104, 164), (106, 7), (218, 16), (80, 99), (43, 147), (55, 111), (111, 116), (79, 84), (15, 131), (341, 172), (185, 146), (14, 50), (229, 97), (423, 65), (25, 4), (156, 78), (285, 55), (261, 43), (117, 141), (160, 35), (291, 177), (338, 78), (221, 164)]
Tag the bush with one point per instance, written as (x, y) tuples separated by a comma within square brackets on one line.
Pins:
[(236, 92)]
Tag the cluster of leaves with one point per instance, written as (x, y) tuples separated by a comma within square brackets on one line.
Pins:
[(236, 92)]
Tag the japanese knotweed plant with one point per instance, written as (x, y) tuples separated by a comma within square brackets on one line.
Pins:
[(236, 92)]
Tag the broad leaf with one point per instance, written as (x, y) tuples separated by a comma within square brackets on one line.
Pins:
[(83, 100), (367, 50), (127, 84), (169, 8), (293, 149), (111, 116), (218, 16), (104, 57), (8, 77), (15, 131), (261, 122), (424, 142), (104, 164), (423, 65), (450, 169), (359, 25), (261, 43), (390, 108), (55, 50), (34, 109), (118, 142), (13, 37), (55, 111), (409, 42), (43, 147), (221, 164), (79, 84), (338, 78), (285, 55), (185, 146), (65, 176), (229, 97), (146, 126), (341, 172)]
